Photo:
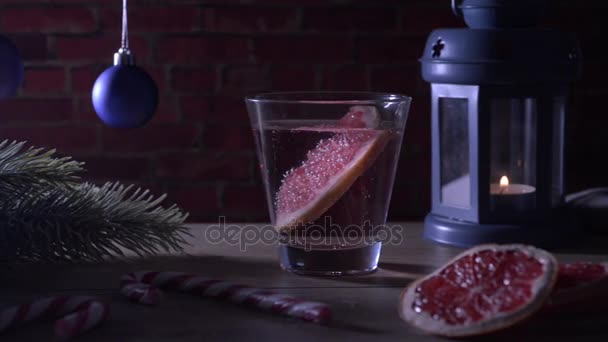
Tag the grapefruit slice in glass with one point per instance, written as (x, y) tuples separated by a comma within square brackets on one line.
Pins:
[(360, 117), (484, 289), (329, 170)]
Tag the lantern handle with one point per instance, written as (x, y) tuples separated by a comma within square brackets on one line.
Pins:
[(456, 8)]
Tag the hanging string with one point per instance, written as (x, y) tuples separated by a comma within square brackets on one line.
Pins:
[(125, 29)]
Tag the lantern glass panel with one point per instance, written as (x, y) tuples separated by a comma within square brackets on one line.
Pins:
[(557, 167), (454, 152), (513, 131)]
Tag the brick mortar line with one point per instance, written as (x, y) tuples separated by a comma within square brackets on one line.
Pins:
[(253, 35), (165, 152), (207, 183), (220, 4)]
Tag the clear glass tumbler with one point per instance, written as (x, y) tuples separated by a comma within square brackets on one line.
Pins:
[(328, 162)]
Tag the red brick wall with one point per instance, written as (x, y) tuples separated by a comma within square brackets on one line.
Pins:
[(205, 55)]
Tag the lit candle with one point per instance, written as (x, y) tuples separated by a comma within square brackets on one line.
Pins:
[(504, 188), (508, 198)]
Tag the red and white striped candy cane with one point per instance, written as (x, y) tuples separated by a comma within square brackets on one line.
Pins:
[(87, 317), (139, 292), (232, 292), (79, 314)]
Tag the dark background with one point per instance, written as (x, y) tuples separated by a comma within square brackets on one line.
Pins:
[(205, 55)]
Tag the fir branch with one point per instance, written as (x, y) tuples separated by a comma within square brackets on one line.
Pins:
[(34, 167), (45, 214), (88, 223)]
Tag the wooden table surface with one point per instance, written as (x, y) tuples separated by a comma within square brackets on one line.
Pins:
[(364, 307)]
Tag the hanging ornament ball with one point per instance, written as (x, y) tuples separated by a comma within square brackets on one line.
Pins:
[(11, 68), (125, 96)]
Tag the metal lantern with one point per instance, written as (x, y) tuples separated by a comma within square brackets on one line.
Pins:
[(499, 91)]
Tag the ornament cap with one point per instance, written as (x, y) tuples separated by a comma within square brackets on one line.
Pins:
[(124, 56)]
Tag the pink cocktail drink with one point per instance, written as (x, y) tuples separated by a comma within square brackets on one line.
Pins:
[(329, 182)]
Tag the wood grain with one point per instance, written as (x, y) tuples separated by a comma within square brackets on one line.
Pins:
[(365, 307)]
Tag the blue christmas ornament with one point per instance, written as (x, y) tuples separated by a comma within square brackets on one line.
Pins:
[(124, 95), (11, 68)]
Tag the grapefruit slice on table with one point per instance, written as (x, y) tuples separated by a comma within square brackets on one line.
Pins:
[(580, 287), (309, 190), (578, 274), (484, 289)]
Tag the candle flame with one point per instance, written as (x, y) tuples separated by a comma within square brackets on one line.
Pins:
[(504, 181)]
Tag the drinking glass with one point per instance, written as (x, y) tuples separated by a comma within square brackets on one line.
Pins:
[(328, 162)]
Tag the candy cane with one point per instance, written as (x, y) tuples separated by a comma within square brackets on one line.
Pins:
[(91, 314), (139, 292), (141, 286), (79, 314)]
